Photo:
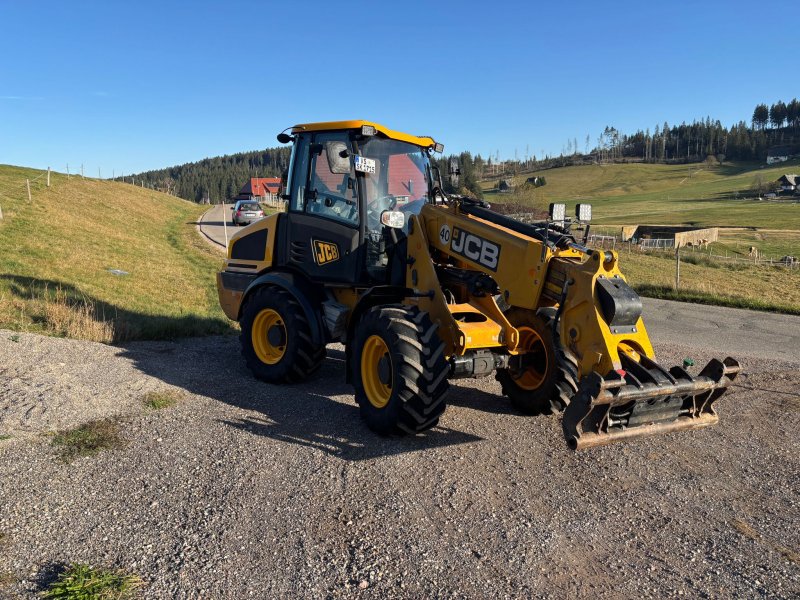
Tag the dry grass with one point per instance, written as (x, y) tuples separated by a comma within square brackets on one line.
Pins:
[(56, 313)]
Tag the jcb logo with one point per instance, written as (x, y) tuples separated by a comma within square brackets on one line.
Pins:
[(325, 252), (475, 248)]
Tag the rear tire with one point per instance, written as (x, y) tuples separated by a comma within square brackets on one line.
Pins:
[(276, 337), (549, 383), (399, 370)]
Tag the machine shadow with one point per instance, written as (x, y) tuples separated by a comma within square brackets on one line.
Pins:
[(309, 414), (127, 324), (217, 223)]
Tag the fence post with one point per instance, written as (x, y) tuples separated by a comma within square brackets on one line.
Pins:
[(677, 267), (48, 176), (28, 184), (224, 225)]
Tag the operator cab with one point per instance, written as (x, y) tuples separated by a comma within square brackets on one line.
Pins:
[(351, 187)]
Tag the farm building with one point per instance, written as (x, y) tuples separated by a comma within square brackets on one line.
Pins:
[(260, 187), (789, 183), (670, 236), (778, 154)]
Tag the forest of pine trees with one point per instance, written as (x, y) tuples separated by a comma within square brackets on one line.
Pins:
[(222, 177), (218, 178)]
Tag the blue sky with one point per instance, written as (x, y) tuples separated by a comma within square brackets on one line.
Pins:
[(129, 86)]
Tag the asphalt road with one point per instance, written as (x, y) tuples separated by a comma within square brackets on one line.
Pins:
[(214, 228)]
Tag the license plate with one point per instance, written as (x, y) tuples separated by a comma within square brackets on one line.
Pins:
[(249, 214), (364, 165)]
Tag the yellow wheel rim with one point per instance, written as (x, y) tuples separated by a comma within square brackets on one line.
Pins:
[(375, 359), (533, 376), (266, 321)]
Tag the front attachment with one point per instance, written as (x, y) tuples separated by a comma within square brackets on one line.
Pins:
[(644, 399)]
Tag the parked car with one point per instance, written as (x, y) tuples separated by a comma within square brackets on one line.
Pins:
[(246, 212)]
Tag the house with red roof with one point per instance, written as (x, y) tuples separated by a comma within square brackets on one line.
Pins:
[(260, 188)]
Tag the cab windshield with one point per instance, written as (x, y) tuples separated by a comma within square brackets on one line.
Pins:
[(401, 180)]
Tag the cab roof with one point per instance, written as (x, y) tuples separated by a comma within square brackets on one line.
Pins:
[(423, 141)]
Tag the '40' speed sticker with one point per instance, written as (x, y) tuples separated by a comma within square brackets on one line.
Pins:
[(363, 164)]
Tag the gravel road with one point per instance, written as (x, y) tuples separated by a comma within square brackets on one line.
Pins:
[(250, 490)]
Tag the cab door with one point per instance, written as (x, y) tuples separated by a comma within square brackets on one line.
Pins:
[(324, 228)]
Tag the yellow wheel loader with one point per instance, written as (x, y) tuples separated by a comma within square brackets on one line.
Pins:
[(422, 288)]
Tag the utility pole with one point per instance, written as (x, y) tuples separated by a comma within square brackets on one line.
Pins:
[(67, 171), (48, 176), (81, 170)]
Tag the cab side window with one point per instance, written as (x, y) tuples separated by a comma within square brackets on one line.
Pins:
[(299, 174), (331, 189)]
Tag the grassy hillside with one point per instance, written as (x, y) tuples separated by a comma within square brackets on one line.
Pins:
[(57, 253), (687, 195), (664, 194)]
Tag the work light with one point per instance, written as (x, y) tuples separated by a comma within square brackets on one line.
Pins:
[(558, 212), (393, 218)]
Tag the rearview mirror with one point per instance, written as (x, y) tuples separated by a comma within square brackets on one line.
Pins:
[(284, 138), (437, 177), (338, 157)]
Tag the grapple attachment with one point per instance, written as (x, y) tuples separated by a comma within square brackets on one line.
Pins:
[(644, 399)]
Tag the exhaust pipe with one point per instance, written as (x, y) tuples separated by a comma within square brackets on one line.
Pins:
[(644, 399)]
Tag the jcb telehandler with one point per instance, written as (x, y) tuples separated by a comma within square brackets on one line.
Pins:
[(422, 288)]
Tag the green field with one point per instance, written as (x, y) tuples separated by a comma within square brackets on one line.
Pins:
[(57, 253), (702, 195)]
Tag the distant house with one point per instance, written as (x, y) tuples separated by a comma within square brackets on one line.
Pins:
[(778, 154), (789, 183), (259, 188)]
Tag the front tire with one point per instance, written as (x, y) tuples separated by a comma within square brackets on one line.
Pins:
[(549, 378), (399, 370), (276, 337)]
